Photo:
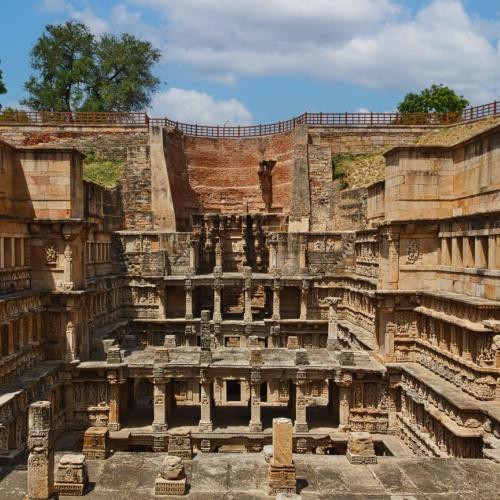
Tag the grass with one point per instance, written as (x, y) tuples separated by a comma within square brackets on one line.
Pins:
[(101, 170), (360, 170)]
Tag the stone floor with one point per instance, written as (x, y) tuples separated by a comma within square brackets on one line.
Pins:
[(243, 476)]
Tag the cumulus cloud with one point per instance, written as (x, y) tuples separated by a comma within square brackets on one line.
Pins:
[(191, 106), (79, 11), (373, 43)]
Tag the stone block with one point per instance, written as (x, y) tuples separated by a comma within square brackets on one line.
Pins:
[(360, 449), (170, 487), (282, 442), (72, 475), (180, 444), (96, 443), (293, 342)]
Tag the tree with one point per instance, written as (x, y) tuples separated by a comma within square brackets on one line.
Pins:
[(123, 79), (436, 98), (3, 88), (63, 59), (76, 71)]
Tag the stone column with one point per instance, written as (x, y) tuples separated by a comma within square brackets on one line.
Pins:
[(276, 300), (301, 403), (345, 397), (218, 252), (303, 299), (68, 264), (114, 402), (162, 304), (393, 259), (189, 299), (492, 251), (333, 339), (206, 424), (41, 451), (273, 255), (217, 286), (281, 472), (247, 290), (2, 253), (392, 399), (302, 254), (193, 247), (160, 411), (255, 419)]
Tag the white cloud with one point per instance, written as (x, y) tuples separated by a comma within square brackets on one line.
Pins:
[(374, 43), (191, 106), (53, 5)]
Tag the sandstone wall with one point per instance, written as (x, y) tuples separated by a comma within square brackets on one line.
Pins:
[(130, 144), (365, 140)]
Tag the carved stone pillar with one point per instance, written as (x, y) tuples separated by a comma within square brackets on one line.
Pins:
[(333, 338), (247, 290), (302, 254), (303, 299), (217, 286), (273, 255), (301, 403), (114, 384), (189, 299), (70, 334), (160, 405), (255, 418), (206, 424), (41, 451), (465, 343), (68, 264), (392, 403), (345, 397), (218, 252), (162, 295), (276, 300), (393, 258), (193, 250)]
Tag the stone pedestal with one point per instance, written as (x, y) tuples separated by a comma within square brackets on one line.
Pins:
[(281, 472), (41, 452), (96, 443), (360, 448), (168, 487), (171, 480), (180, 444), (72, 477)]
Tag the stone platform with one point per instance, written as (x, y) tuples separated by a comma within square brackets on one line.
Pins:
[(244, 477)]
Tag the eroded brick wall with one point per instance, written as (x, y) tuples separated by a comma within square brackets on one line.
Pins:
[(223, 173)]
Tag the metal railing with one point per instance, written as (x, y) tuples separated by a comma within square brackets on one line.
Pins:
[(312, 119)]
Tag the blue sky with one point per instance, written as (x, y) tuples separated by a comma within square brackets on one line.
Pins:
[(242, 61)]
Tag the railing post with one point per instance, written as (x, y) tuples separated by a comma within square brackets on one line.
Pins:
[(239, 126), (495, 108), (321, 117), (146, 118), (371, 118), (345, 118), (305, 118)]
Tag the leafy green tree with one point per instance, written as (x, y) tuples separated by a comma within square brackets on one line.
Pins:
[(3, 88), (435, 98), (123, 80), (76, 71), (63, 59)]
